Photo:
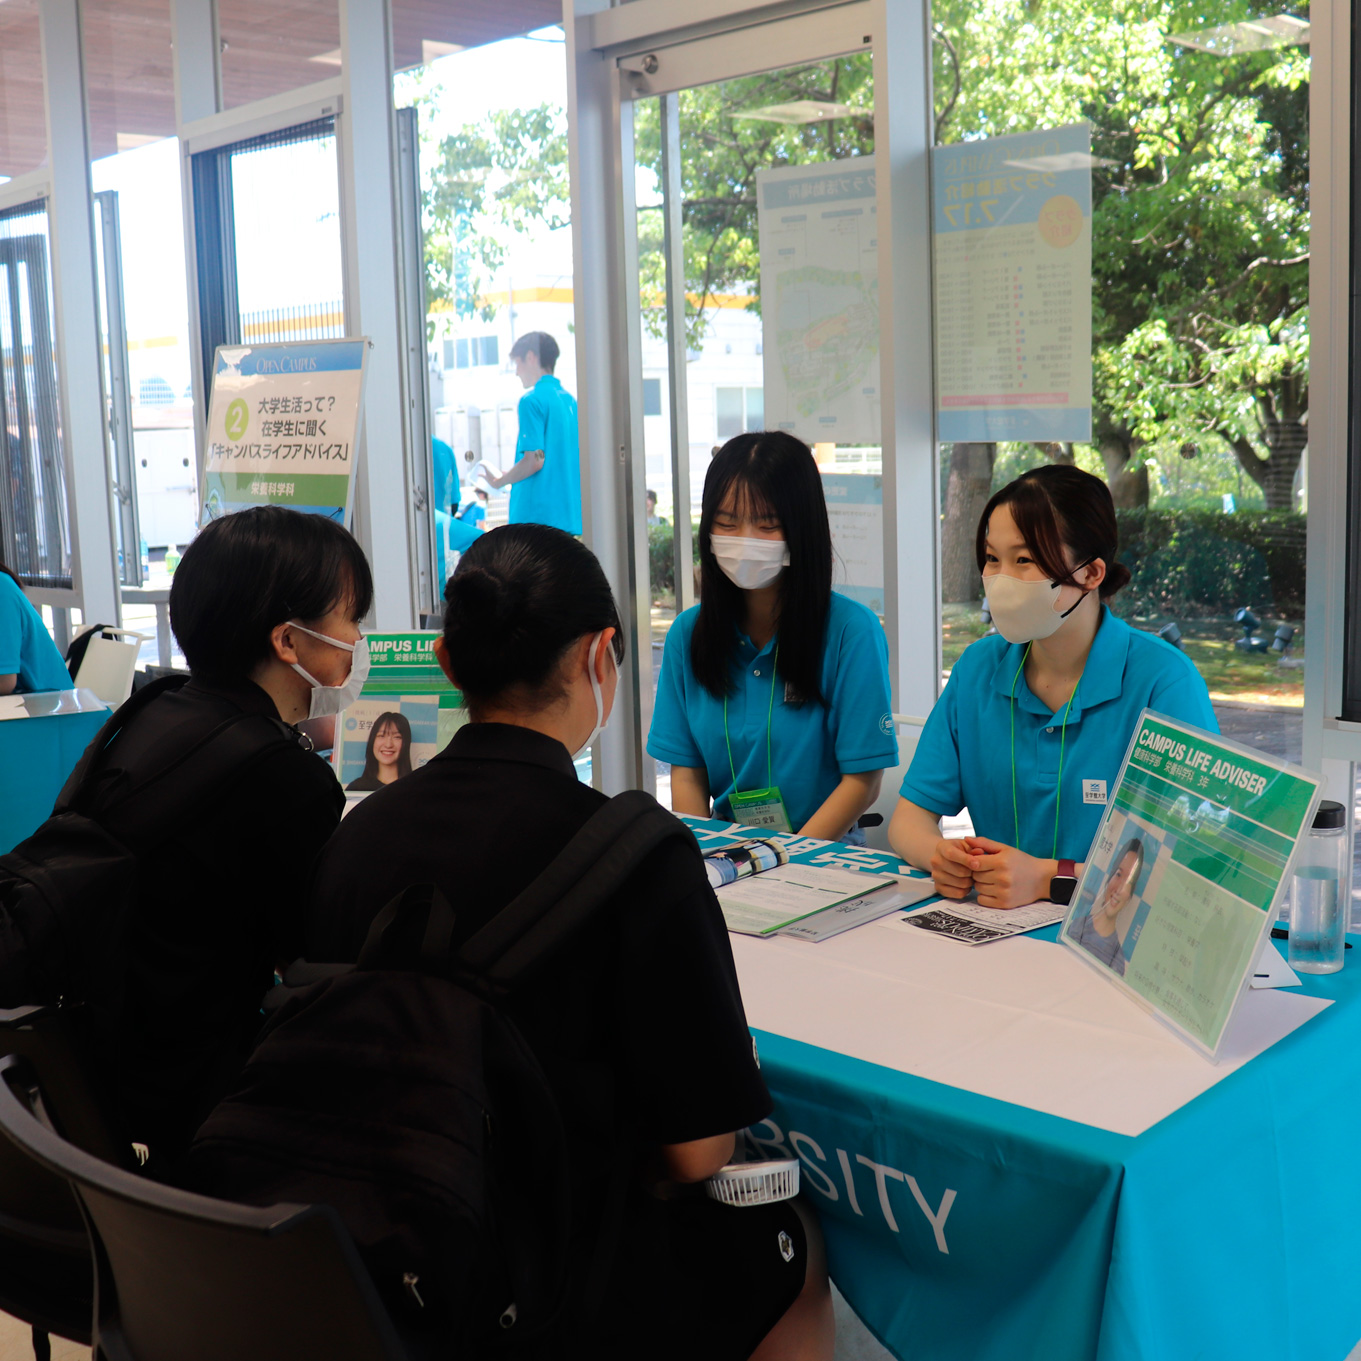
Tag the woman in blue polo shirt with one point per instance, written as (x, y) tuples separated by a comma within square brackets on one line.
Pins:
[(1031, 730), (773, 703), (29, 659)]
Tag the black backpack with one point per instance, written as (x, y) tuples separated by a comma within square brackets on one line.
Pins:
[(408, 1100), (65, 891)]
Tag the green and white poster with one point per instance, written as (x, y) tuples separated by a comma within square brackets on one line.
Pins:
[(283, 421), (1186, 873), (405, 715)]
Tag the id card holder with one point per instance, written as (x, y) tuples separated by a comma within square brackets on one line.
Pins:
[(763, 808)]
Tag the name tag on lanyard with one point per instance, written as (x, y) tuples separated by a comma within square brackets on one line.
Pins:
[(763, 808)]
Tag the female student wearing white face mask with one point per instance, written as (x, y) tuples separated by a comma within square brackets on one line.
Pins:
[(773, 704), (1031, 730)]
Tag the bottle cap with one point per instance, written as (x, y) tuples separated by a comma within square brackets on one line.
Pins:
[(1330, 816)]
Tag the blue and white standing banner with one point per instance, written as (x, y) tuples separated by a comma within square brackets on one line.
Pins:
[(283, 423), (855, 510), (819, 240), (1012, 221)]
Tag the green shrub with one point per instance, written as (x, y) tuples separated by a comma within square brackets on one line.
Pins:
[(1204, 562), (661, 564)]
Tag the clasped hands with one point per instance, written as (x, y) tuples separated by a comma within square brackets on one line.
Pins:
[(1003, 876)]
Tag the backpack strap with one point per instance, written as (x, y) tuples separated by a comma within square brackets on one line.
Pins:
[(586, 873)]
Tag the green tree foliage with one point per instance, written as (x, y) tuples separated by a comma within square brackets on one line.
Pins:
[(505, 173), (1200, 214), (722, 148)]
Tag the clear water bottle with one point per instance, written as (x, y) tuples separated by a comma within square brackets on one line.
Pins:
[(172, 558), (146, 558), (1320, 897)]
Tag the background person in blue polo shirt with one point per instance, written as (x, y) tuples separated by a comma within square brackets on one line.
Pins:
[(1031, 730), (29, 659), (773, 702), (545, 483)]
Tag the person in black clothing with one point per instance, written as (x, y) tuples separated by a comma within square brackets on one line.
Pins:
[(255, 605), (638, 1020)]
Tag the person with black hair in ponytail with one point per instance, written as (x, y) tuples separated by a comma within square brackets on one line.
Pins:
[(773, 704), (1031, 730), (29, 659), (637, 1019)]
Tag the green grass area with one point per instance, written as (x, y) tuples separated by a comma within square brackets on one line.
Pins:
[(1252, 677)]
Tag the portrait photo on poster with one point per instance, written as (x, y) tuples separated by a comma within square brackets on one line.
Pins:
[(1130, 857), (385, 738)]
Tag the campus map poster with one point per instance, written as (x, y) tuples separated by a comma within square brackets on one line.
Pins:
[(818, 236), (282, 426), (406, 713), (1013, 256), (1186, 872)]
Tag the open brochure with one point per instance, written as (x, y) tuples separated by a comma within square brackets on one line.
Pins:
[(740, 859), (760, 905)]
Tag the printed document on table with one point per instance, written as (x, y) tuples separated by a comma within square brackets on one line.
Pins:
[(868, 907), (766, 902), (975, 925)]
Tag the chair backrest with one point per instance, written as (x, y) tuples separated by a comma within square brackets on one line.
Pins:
[(909, 730), (108, 664), (180, 1275), (46, 1267)]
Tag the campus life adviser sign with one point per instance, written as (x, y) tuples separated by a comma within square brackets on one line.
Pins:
[(282, 427), (1013, 255), (1186, 873)]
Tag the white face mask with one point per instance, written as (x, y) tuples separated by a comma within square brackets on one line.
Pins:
[(750, 563), (331, 699), (1025, 611), (601, 722)]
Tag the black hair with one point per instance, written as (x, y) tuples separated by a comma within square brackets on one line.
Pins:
[(249, 572), (520, 597), (403, 725), (540, 344), (1055, 507), (13, 576), (1134, 846), (771, 473)]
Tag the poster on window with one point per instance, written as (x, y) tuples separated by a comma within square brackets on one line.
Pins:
[(405, 715), (283, 421), (817, 231), (1186, 873), (1012, 219), (855, 512)]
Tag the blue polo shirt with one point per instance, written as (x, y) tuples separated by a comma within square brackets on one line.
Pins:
[(444, 485), (963, 759), (26, 647), (812, 746), (452, 535), (552, 496)]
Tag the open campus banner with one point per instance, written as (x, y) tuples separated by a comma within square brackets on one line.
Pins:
[(1186, 873), (1012, 223), (282, 426), (406, 713), (818, 235)]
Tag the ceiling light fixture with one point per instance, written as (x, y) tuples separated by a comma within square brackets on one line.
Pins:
[(803, 111), (1250, 35)]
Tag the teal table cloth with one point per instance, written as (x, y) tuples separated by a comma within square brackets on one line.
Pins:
[(965, 1228), (38, 752)]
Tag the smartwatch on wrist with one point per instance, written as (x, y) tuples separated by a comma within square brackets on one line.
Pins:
[(1064, 884)]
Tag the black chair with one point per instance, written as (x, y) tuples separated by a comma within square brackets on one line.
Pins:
[(180, 1276), (46, 1267)]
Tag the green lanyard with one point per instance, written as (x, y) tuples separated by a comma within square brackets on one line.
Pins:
[(770, 715), (1063, 739)]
